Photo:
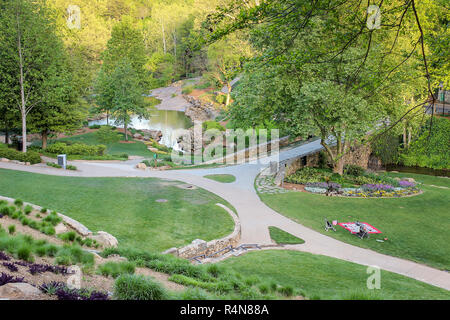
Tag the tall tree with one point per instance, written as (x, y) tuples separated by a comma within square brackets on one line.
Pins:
[(28, 49), (326, 69), (127, 99), (226, 58)]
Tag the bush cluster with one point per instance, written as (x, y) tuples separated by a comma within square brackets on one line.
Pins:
[(12, 154), (77, 149)]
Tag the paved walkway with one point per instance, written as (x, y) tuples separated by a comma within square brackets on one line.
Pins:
[(254, 215)]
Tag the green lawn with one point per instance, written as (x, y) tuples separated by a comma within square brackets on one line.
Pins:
[(224, 178), (320, 277), (416, 227), (283, 237), (126, 207), (132, 149)]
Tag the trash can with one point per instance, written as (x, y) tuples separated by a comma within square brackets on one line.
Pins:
[(62, 160)]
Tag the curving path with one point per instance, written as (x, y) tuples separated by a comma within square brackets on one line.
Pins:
[(254, 215)]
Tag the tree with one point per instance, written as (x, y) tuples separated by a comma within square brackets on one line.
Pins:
[(126, 42), (28, 49), (226, 58), (127, 99), (61, 109), (322, 69)]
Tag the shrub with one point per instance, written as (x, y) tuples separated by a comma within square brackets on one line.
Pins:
[(70, 167), (115, 269), (12, 229), (54, 165), (286, 291), (76, 149), (28, 209), (12, 154), (95, 126), (18, 203), (107, 135), (24, 253), (44, 210), (133, 287), (68, 236), (195, 294), (353, 170)]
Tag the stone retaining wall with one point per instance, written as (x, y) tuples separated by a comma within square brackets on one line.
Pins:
[(200, 247)]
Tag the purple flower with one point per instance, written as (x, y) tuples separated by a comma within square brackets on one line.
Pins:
[(6, 278), (406, 184), (377, 187)]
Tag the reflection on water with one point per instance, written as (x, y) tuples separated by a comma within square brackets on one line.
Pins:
[(167, 121)]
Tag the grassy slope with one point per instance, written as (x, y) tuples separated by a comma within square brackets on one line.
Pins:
[(132, 149), (328, 278), (126, 207), (224, 178), (417, 227), (283, 237)]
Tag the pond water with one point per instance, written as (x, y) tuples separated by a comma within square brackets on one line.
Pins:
[(419, 170), (167, 121)]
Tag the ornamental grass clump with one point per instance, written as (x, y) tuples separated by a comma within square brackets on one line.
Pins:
[(134, 287)]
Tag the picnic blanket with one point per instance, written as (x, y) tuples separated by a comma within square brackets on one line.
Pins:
[(353, 228)]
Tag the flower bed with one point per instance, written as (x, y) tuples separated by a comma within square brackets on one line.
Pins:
[(366, 185), (365, 191)]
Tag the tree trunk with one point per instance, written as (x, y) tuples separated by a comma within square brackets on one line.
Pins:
[(23, 108), (228, 94), (126, 131), (44, 135), (405, 143), (6, 134), (338, 166), (24, 132), (164, 36), (409, 136), (107, 117)]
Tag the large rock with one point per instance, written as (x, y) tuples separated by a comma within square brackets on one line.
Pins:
[(20, 291), (105, 239), (141, 166), (4, 160), (152, 134)]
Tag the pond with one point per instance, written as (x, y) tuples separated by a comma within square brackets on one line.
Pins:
[(167, 121)]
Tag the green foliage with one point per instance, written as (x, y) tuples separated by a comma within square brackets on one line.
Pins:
[(107, 135), (211, 125), (353, 170), (115, 269), (54, 165), (68, 236), (12, 154), (133, 287), (76, 149), (386, 148), (28, 209), (11, 229), (430, 150), (18, 203), (187, 90)]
